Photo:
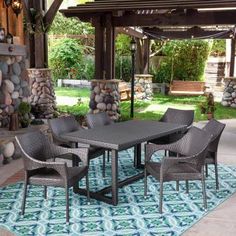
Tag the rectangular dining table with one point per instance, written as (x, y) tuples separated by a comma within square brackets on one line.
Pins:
[(117, 137)]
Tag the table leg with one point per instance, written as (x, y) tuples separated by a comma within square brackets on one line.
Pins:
[(137, 156), (114, 169)]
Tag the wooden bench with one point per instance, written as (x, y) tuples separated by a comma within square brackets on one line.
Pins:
[(125, 91), (178, 87)]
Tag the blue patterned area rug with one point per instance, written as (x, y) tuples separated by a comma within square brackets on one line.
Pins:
[(133, 216)]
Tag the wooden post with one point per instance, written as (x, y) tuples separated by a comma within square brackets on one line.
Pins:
[(146, 54), (99, 48), (109, 66), (39, 37), (232, 58)]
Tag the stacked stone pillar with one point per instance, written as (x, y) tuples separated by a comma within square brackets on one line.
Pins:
[(13, 86), (229, 95), (105, 97), (143, 87), (42, 96)]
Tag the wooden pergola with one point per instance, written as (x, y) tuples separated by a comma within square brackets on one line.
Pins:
[(193, 18)]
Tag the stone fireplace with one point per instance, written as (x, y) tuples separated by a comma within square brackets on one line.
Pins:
[(14, 86)]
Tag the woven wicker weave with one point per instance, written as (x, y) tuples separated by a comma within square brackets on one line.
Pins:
[(40, 169), (215, 128), (189, 165), (66, 124), (182, 117)]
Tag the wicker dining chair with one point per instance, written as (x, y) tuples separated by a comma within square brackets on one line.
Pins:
[(99, 119), (182, 117), (192, 149), (66, 124), (41, 168), (215, 128)]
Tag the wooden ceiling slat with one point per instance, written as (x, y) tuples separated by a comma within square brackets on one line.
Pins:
[(203, 18), (123, 5)]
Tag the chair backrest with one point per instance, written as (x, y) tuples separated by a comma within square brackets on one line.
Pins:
[(98, 119), (182, 117), (34, 145), (195, 143), (62, 125), (215, 128)]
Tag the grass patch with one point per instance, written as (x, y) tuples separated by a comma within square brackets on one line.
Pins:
[(146, 110), (72, 92)]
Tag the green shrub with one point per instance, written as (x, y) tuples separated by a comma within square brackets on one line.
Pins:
[(185, 60), (88, 70), (24, 108), (63, 25), (123, 68), (218, 47), (65, 56)]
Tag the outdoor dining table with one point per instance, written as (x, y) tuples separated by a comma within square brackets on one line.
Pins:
[(117, 137)]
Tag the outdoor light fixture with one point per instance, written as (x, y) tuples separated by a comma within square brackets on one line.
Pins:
[(133, 48), (7, 2), (16, 6)]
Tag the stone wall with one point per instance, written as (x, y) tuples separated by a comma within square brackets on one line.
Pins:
[(143, 87), (42, 96), (229, 95), (105, 97), (14, 87)]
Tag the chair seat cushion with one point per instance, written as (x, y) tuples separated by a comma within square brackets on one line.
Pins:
[(50, 177), (180, 171)]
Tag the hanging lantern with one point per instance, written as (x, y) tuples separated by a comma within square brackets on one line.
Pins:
[(7, 2), (16, 6)]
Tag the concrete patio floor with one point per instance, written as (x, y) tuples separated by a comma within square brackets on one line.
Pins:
[(219, 222)]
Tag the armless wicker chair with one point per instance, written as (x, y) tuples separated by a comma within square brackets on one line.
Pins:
[(99, 119), (215, 128), (182, 117), (67, 124), (192, 148), (40, 169)]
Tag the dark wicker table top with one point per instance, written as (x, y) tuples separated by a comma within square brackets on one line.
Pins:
[(123, 135)]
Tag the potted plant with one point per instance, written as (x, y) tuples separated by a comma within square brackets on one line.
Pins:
[(208, 107), (24, 114)]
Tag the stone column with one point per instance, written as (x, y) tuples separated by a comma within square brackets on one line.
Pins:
[(42, 96), (14, 86), (143, 87), (105, 97), (229, 95)]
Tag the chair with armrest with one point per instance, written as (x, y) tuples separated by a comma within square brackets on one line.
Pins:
[(182, 117), (189, 165), (215, 128), (66, 124), (41, 169), (99, 119)]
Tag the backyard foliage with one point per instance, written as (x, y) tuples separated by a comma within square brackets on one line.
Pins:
[(147, 110), (218, 47), (63, 25), (64, 57), (184, 60), (123, 58)]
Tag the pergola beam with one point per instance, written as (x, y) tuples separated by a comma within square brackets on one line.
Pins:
[(200, 19)]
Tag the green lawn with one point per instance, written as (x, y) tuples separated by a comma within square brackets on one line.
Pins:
[(152, 110), (72, 92)]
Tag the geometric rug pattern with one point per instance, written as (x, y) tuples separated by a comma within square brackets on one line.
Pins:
[(134, 215)]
